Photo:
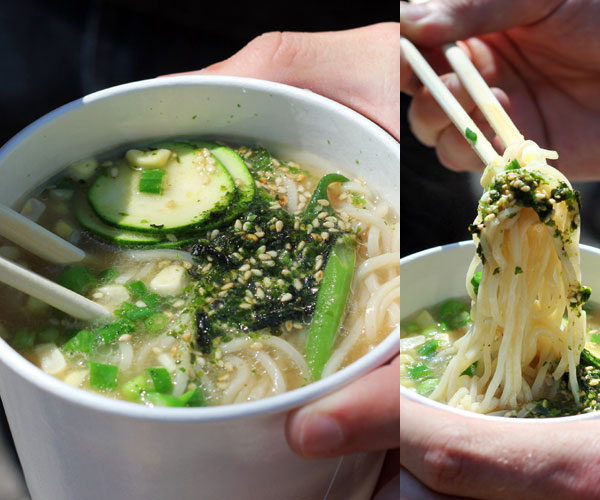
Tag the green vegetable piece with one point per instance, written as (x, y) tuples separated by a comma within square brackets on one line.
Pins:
[(475, 281), (470, 370), (77, 278), (595, 338), (330, 306), (312, 209), (472, 136), (454, 314), (412, 327), (159, 399), (49, 334), (588, 359), (137, 288), (426, 387), (23, 339), (518, 270), (156, 322), (134, 388), (103, 376), (83, 341), (151, 181), (419, 370), (193, 397), (429, 348), (513, 165), (161, 379), (113, 331), (108, 275)]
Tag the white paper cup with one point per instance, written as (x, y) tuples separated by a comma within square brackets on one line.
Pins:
[(75, 445), (439, 273)]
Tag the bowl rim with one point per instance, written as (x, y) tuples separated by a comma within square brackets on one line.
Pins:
[(413, 396), (380, 354)]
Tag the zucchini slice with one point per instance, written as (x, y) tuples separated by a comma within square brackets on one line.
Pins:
[(192, 196), (88, 219), (236, 166)]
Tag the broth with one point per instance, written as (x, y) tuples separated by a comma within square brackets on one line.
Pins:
[(215, 314)]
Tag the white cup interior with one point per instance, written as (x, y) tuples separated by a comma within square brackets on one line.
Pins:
[(439, 273)]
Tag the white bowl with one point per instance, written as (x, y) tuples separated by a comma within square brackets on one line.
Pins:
[(78, 445), (439, 273)]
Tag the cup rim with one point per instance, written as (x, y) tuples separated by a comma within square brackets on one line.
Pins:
[(380, 354), (413, 396)]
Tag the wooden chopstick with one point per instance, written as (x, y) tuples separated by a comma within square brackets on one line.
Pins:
[(448, 103), (36, 239), (483, 96), (51, 293)]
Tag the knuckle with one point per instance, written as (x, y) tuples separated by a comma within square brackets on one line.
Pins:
[(276, 47), (446, 463)]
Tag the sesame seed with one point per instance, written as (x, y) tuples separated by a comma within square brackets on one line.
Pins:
[(329, 224), (140, 303), (238, 224), (525, 189), (98, 295), (252, 237), (126, 337), (297, 284), (301, 245), (178, 303), (325, 235), (278, 226), (245, 305), (594, 382), (260, 293), (214, 234), (245, 267), (272, 253), (322, 215), (247, 275), (286, 297), (187, 336), (323, 202), (227, 286), (264, 256)]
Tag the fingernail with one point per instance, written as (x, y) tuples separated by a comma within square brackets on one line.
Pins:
[(412, 13), (321, 436)]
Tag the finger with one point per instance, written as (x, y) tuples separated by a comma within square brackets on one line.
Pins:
[(425, 116), (412, 489), (441, 21), (456, 153), (359, 68), (477, 458), (360, 417)]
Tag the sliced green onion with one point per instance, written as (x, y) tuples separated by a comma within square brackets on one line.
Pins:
[(134, 388), (513, 165), (82, 341), (151, 181), (108, 275), (472, 136), (161, 379), (159, 399), (419, 371), (23, 339), (453, 313), (595, 338), (156, 322), (49, 334), (470, 370), (427, 386), (103, 376), (112, 332), (193, 397), (475, 281), (429, 348), (412, 327), (77, 278)]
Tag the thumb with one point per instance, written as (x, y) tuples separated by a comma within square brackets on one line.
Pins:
[(435, 22)]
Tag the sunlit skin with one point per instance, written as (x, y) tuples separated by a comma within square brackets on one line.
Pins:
[(543, 60)]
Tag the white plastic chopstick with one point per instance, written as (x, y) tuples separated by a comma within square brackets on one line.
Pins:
[(448, 102), (38, 240), (49, 292)]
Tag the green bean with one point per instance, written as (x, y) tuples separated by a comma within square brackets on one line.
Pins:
[(312, 209), (330, 306)]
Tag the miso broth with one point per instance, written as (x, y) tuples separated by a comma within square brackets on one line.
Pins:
[(213, 274)]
